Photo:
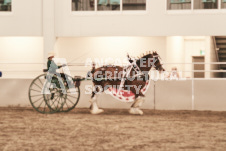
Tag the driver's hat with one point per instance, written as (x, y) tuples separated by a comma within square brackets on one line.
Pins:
[(51, 54)]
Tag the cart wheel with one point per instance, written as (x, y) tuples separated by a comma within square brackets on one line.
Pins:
[(37, 98), (53, 93), (70, 99)]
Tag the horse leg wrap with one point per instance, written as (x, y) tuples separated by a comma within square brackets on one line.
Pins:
[(93, 99), (134, 110), (94, 109), (93, 103), (135, 107), (138, 102)]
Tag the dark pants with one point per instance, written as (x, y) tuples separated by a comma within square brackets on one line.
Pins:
[(69, 83), (64, 76)]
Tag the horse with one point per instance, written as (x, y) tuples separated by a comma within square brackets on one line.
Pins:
[(131, 78)]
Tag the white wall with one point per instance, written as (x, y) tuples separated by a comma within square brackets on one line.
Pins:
[(181, 49), (175, 52), (24, 20), (48, 24), (21, 57), (77, 50), (29, 50), (169, 95), (156, 21), (209, 95)]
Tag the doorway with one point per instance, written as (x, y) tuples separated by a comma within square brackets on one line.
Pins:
[(198, 66)]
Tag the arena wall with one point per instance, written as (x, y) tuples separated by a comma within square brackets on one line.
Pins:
[(162, 95), (29, 18), (105, 47), (156, 21), (21, 57), (24, 20)]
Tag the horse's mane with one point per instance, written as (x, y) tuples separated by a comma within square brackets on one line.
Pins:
[(145, 56)]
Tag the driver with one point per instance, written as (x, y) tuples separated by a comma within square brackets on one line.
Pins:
[(52, 67)]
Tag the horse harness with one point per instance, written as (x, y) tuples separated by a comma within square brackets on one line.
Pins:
[(126, 72)]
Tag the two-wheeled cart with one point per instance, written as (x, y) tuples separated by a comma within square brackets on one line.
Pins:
[(49, 93)]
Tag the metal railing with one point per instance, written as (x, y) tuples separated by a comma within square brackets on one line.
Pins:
[(29, 67)]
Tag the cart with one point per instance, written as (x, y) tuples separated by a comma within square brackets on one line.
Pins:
[(57, 99)]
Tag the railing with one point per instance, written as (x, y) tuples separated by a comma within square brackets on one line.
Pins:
[(31, 70)]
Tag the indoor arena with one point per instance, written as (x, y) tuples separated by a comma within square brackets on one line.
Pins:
[(112, 75)]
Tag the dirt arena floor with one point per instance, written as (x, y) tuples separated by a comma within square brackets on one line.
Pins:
[(78, 130)]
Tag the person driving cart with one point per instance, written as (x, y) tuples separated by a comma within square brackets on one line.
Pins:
[(52, 68)]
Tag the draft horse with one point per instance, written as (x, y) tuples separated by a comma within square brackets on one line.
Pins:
[(131, 78)]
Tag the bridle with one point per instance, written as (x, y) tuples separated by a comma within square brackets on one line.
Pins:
[(160, 61), (133, 65)]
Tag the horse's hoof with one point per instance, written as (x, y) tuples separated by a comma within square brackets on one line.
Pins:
[(140, 112), (136, 111), (98, 111)]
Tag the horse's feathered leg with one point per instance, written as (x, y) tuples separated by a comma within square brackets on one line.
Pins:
[(94, 109), (135, 108), (138, 102)]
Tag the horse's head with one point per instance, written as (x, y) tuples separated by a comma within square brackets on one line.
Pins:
[(150, 60), (157, 62), (145, 62)]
